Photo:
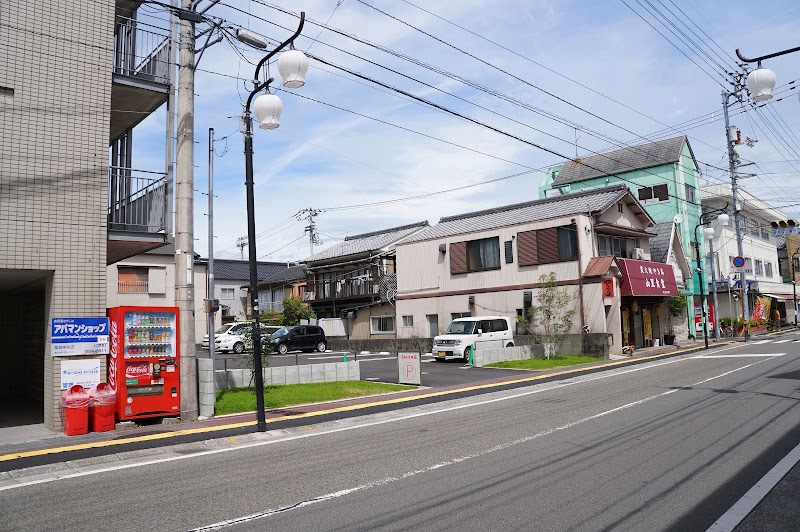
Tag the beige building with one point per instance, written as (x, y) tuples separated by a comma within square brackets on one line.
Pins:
[(490, 262), (72, 87)]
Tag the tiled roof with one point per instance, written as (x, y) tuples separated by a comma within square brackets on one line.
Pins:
[(616, 162), (239, 270), (659, 245), (598, 266), (595, 200), (295, 273), (366, 242)]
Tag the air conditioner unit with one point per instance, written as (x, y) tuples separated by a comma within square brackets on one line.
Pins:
[(308, 296), (638, 253)]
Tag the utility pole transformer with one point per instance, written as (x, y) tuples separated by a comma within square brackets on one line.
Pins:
[(311, 228), (184, 218)]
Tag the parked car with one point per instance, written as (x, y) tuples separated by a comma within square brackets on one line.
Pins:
[(299, 337), (484, 332), (230, 337)]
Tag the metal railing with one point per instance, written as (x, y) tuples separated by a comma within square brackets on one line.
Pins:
[(137, 200), (272, 306), (141, 53), (132, 287)]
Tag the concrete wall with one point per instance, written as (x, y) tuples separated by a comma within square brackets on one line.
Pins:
[(54, 139), (520, 352)]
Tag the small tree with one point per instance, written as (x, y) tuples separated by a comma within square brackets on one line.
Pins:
[(553, 315), (676, 306), (246, 357), (295, 310)]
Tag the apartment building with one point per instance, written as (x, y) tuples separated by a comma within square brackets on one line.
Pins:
[(76, 77)]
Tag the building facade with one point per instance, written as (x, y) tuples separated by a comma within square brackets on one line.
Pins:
[(72, 87), (663, 175), (492, 262)]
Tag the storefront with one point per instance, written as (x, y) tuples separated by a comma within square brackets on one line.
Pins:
[(643, 316)]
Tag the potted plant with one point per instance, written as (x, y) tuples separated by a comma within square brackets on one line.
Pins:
[(676, 306)]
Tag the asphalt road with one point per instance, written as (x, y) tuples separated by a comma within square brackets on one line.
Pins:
[(668, 445)]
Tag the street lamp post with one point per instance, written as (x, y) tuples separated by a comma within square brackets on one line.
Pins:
[(267, 107), (708, 232)]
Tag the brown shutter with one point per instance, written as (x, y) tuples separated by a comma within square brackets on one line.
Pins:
[(527, 248), (548, 245), (458, 257)]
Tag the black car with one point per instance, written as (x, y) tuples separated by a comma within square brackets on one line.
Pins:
[(299, 337)]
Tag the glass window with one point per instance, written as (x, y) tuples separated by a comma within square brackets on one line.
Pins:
[(456, 315), (483, 254), (759, 267), (567, 243), (132, 280), (690, 193), (768, 269), (382, 324), (462, 327), (613, 245), (408, 321), (227, 293), (748, 266), (765, 233), (653, 194), (499, 325)]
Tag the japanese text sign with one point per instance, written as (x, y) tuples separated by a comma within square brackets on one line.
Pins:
[(83, 372), (408, 366), (79, 336), (646, 278), (607, 284)]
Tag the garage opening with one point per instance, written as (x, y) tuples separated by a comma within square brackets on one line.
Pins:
[(23, 311)]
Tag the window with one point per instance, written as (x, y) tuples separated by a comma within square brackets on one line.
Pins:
[(654, 194), (748, 266), (567, 243), (227, 293), (509, 251), (381, 324), (499, 325), (768, 269), (613, 245), (690, 193), (765, 233), (456, 315), (408, 321), (483, 254), (759, 267), (132, 280)]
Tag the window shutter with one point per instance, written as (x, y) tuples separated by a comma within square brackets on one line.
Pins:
[(527, 248), (458, 257), (548, 245), (509, 252)]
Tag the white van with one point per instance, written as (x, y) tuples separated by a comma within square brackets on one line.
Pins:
[(484, 332)]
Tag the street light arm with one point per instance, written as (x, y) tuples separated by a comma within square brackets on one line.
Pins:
[(768, 56), (256, 91), (282, 45)]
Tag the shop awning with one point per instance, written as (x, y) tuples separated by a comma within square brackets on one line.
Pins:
[(647, 278), (780, 297)]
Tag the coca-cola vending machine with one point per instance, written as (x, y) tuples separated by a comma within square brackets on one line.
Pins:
[(143, 361)]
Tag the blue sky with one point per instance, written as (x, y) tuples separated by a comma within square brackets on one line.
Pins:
[(327, 158)]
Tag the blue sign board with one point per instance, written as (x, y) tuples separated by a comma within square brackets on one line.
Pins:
[(784, 231), (79, 336), (738, 262)]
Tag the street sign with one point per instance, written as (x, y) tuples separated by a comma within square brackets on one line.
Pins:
[(79, 336), (738, 263), (408, 367), (784, 231)]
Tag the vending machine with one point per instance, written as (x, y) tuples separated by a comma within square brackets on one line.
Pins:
[(143, 361)]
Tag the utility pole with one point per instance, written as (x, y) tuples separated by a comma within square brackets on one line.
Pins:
[(184, 216), (714, 284), (726, 96), (211, 304), (241, 243), (311, 228)]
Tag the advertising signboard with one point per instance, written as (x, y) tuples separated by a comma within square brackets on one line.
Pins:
[(84, 372), (78, 336)]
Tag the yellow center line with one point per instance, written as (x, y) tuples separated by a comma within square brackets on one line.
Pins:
[(349, 408)]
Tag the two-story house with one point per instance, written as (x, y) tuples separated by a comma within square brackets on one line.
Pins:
[(357, 279), (285, 283), (760, 246), (663, 175), (75, 80), (490, 262)]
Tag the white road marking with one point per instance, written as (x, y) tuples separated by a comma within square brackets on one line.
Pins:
[(744, 355), (759, 342), (563, 384), (749, 500), (783, 341), (408, 474)]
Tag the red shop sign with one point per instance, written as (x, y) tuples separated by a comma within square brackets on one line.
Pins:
[(646, 278), (607, 284)]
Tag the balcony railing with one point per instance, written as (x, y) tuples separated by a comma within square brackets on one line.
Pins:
[(141, 50), (137, 200), (132, 287)]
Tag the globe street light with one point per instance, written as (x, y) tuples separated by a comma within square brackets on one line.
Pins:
[(267, 108), (705, 218)]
